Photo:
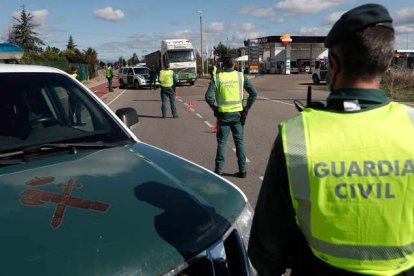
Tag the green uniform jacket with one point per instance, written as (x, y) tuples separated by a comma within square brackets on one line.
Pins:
[(169, 90), (276, 242), (210, 98)]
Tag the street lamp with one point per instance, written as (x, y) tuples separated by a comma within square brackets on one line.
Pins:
[(201, 41)]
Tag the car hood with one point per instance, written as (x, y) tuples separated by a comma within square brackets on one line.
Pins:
[(129, 210)]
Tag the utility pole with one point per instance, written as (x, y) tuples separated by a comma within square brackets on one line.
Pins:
[(201, 41)]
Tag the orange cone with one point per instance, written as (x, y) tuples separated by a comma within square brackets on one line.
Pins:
[(190, 104), (214, 129), (176, 95)]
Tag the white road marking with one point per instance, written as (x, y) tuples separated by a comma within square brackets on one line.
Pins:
[(275, 101), (199, 116), (247, 159), (208, 124), (116, 97), (192, 109), (261, 178)]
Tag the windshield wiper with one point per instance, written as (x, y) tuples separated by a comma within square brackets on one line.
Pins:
[(72, 148)]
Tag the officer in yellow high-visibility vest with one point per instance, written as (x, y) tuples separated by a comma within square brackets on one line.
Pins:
[(109, 73), (225, 95), (168, 80), (337, 197), (75, 112)]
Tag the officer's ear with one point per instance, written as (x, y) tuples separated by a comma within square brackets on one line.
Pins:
[(334, 64)]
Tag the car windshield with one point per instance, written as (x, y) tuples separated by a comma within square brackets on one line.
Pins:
[(39, 108), (180, 55), (141, 71)]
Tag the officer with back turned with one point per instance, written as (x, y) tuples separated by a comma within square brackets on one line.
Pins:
[(225, 95), (168, 80), (337, 197)]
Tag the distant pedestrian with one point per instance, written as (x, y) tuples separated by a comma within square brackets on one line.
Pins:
[(153, 78), (109, 75), (74, 72), (168, 80), (75, 105)]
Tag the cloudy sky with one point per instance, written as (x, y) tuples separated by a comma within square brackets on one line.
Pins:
[(121, 28)]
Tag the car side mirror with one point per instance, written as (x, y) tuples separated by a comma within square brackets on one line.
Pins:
[(127, 115)]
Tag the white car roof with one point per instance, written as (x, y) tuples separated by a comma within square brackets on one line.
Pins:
[(20, 68)]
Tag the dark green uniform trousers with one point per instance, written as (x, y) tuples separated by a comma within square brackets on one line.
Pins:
[(168, 93), (222, 135)]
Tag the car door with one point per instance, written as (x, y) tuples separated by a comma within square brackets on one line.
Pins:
[(130, 77)]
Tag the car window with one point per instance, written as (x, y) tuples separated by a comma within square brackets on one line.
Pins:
[(141, 71), (130, 71), (37, 108)]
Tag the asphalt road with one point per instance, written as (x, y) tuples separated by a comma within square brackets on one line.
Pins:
[(190, 135)]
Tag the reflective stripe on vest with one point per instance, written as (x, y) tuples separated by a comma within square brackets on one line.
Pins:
[(351, 181), (108, 72), (229, 93), (166, 78)]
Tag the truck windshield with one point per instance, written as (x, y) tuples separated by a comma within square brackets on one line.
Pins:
[(180, 55)]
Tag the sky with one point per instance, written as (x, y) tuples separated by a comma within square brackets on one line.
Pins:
[(121, 28)]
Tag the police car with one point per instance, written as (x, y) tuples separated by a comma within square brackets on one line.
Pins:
[(81, 195), (135, 76)]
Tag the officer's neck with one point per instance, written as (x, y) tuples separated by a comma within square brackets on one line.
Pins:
[(356, 83)]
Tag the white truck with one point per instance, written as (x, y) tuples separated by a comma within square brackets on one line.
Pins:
[(179, 53)]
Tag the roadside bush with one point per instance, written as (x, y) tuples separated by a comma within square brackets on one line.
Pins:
[(398, 83)]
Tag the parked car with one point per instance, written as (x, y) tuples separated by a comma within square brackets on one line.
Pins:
[(320, 74), (135, 76), (81, 195)]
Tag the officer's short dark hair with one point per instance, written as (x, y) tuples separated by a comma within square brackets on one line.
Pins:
[(363, 41), (167, 65), (228, 61)]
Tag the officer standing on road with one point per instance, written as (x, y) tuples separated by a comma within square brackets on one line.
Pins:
[(168, 80), (225, 96), (337, 197), (75, 105), (153, 77), (109, 75)]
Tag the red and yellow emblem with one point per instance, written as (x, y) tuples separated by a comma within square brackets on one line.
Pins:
[(286, 39), (34, 197)]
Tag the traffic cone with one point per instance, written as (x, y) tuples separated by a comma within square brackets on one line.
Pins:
[(176, 95), (214, 129), (190, 104)]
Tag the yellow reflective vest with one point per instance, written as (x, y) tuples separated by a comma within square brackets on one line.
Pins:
[(229, 93), (351, 178), (166, 78), (108, 72)]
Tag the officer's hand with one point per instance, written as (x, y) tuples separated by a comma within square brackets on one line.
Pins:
[(244, 115), (216, 111)]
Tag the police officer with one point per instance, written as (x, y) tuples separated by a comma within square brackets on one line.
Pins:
[(109, 73), (337, 197), (75, 105), (153, 78), (168, 80), (74, 72), (225, 96)]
